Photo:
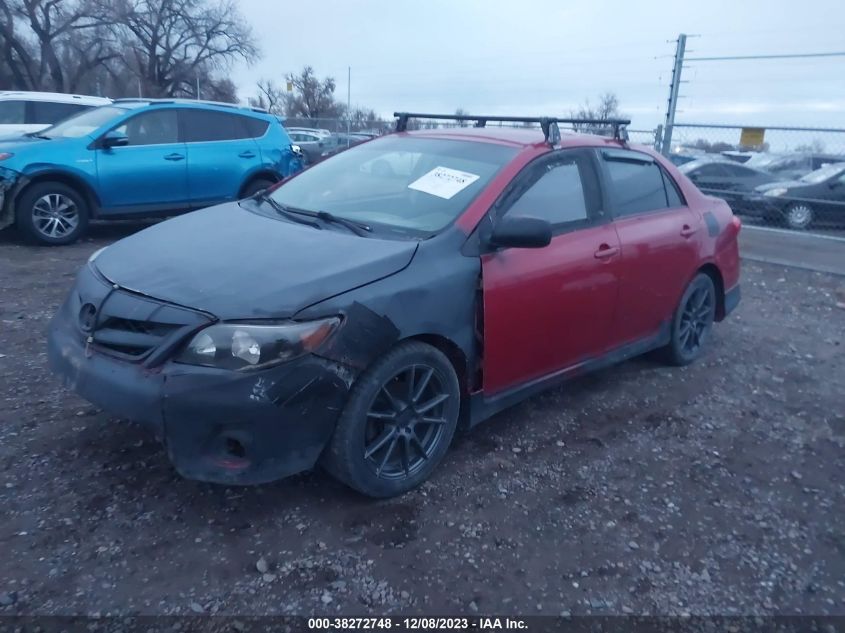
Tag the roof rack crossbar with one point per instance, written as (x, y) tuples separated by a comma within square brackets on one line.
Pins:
[(189, 101), (481, 120)]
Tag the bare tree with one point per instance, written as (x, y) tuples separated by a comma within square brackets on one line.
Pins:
[(461, 112), (169, 44), (52, 44), (607, 108), (312, 98), (816, 146), (365, 118), (270, 97)]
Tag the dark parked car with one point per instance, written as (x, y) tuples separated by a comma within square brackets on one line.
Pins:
[(726, 179), (357, 317), (816, 197), (342, 141), (792, 166)]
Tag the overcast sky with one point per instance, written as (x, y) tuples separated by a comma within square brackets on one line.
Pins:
[(548, 56)]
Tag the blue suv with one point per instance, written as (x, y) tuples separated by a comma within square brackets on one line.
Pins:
[(138, 158)]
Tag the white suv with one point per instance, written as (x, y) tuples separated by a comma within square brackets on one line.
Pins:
[(23, 112)]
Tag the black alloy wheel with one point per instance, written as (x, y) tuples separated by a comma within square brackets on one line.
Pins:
[(692, 322), (398, 422), (405, 422)]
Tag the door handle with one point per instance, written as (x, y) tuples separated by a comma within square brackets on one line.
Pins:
[(247, 154), (606, 251), (687, 230), (174, 157)]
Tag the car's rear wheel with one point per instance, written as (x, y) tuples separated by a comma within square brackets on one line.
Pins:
[(52, 213), (799, 216), (254, 186), (398, 422), (692, 322)]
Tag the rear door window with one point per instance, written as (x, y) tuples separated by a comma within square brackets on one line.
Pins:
[(711, 171), (636, 183), (199, 126)]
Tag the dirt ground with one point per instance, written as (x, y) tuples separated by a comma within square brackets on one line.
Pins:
[(713, 489)]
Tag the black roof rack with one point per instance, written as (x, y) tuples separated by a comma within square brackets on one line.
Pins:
[(548, 124)]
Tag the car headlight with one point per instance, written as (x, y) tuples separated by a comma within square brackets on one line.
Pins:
[(244, 346), (776, 192)]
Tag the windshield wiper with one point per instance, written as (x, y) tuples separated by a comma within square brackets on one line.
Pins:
[(359, 228), (290, 214), (37, 135)]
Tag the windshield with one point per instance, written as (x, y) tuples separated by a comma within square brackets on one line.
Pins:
[(83, 123), (826, 172), (415, 185)]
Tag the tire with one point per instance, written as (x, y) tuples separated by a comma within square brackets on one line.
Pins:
[(692, 322), (254, 186), (798, 216), (384, 443), (51, 213)]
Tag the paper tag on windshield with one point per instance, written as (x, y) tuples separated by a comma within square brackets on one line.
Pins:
[(444, 182)]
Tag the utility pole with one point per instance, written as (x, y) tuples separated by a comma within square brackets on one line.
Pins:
[(348, 103), (198, 86), (673, 94)]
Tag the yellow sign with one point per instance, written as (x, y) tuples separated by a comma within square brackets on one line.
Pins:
[(752, 136), (290, 86)]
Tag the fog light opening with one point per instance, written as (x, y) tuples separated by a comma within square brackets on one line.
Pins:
[(234, 448)]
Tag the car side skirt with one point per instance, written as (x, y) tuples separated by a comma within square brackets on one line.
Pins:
[(483, 407)]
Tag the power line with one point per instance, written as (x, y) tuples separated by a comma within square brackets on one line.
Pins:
[(792, 56)]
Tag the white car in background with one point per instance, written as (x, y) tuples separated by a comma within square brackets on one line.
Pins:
[(318, 133), (25, 112)]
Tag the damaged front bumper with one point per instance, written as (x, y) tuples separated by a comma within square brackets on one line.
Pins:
[(218, 425), (10, 183)]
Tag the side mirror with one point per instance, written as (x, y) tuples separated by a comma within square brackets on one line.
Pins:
[(521, 232), (113, 138)]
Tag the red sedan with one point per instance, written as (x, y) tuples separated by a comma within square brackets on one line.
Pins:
[(361, 312)]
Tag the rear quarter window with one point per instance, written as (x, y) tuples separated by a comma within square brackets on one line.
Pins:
[(12, 112), (256, 127), (48, 112)]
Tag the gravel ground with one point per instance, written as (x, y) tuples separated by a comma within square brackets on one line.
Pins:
[(713, 489)]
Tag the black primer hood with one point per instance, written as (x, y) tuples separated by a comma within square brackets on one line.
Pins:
[(237, 264)]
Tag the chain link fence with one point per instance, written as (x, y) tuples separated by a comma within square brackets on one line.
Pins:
[(776, 176)]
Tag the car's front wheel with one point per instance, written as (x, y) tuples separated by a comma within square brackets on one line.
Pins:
[(799, 216), (398, 422), (692, 321), (51, 213)]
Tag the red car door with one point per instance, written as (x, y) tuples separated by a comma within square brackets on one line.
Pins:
[(659, 238), (546, 309)]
